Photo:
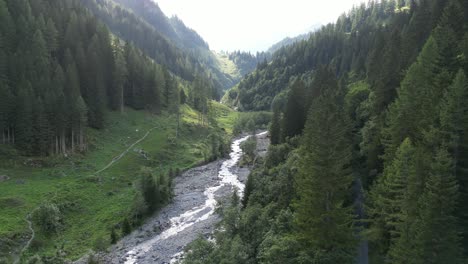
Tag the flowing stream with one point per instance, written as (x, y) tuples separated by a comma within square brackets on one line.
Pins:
[(225, 178)]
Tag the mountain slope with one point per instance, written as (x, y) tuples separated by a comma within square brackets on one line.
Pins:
[(291, 40), (350, 46), (369, 154), (166, 40)]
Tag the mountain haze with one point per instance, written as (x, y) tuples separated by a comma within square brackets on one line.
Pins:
[(167, 40), (348, 144)]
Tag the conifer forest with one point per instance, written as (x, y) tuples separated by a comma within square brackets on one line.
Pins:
[(125, 138)]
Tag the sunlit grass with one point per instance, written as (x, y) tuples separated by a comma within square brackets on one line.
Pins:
[(93, 204)]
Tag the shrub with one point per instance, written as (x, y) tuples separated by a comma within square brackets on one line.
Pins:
[(249, 148), (113, 236), (126, 227), (247, 122), (48, 218), (100, 244), (34, 260)]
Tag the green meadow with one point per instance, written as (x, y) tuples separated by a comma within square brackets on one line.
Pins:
[(92, 203)]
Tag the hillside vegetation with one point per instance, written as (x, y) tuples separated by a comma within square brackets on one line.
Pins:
[(73, 99), (368, 162), (168, 41), (93, 204)]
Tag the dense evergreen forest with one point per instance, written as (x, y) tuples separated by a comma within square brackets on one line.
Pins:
[(61, 71), (167, 40), (246, 61), (368, 161), (369, 144)]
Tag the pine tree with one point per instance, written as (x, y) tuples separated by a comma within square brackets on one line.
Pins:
[(42, 130), (57, 109), (275, 127), (51, 36), (323, 221), (295, 113), (168, 88), (24, 118), (394, 207), (407, 117), (120, 78), (389, 76), (7, 28), (453, 135), (439, 234), (72, 92), (81, 112), (6, 109)]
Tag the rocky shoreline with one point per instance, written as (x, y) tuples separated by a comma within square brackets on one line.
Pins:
[(189, 194)]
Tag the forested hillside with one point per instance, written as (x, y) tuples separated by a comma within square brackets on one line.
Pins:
[(167, 40), (62, 71), (357, 45), (369, 144), (92, 131)]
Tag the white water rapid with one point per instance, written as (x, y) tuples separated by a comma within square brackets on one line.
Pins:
[(200, 213)]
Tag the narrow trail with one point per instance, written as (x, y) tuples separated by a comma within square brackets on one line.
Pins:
[(113, 161), (121, 155), (33, 235), (163, 237)]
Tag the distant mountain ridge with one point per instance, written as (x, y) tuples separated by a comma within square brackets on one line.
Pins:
[(173, 28), (291, 40), (168, 41)]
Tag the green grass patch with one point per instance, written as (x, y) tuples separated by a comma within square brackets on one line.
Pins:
[(92, 204)]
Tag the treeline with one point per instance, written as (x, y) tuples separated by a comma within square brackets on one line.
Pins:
[(166, 40), (247, 62), (381, 34), (131, 28), (377, 159), (173, 27), (60, 71)]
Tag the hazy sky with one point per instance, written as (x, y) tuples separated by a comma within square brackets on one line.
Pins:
[(253, 25)]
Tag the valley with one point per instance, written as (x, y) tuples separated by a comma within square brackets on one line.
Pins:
[(126, 139), (93, 200)]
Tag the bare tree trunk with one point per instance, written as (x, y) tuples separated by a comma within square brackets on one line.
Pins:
[(122, 101), (178, 123), (56, 145), (73, 140), (64, 145), (13, 136), (51, 145), (82, 148)]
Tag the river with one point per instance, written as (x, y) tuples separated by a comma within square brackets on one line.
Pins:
[(191, 214)]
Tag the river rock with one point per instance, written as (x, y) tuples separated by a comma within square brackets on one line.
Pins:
[(188, 196), (4, 178)]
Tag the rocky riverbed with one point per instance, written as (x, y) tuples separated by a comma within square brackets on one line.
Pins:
[(190, 214)]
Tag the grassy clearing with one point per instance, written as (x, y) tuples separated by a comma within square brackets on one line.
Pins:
[(228, 66), (93, 204)]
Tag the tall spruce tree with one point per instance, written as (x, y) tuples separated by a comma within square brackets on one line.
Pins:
[(394, 201), (295, 113), (323, 220), (438, 238), (453, 134), (408, 118), (275, 127), (24, 118), (120, 77)]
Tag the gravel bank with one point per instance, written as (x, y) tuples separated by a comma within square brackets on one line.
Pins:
[(188, 216)]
